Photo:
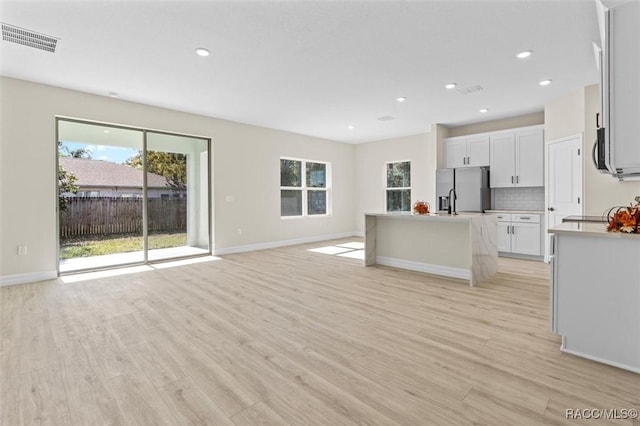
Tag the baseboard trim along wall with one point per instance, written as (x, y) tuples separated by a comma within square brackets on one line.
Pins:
[(446, 271), (282, 243), (27, 278)]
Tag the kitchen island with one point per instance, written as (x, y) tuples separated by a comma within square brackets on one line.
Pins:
[(595, 293), (458, 246)]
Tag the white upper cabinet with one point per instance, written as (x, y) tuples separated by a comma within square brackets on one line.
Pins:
[(517, 158), (503, 167), (530, 158), (470, 151), (478, 151), (455, 153), (620, 87)]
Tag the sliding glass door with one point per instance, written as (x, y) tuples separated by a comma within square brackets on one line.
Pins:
[(130, 196), (178, 218)]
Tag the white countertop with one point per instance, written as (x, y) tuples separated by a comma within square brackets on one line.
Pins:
[(587, 229), (461, 217), (516, 211)]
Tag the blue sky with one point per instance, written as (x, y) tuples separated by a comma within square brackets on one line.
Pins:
[(114, 154)]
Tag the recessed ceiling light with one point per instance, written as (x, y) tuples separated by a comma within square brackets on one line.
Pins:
[(113, 94), (483, 110), (106, 131), (523, 54), (350, 127), (450, 86), (545, 82), (201, 51), (401, 99)]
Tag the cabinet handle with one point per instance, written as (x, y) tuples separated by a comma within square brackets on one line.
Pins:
[(517, 179), (511, 179), (508, 227), (468, 160), (513, 229), (525, 217)]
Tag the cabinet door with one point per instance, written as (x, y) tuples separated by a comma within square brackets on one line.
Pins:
[(529, 158), (525, 238), (504, 237), (624, 86), (478, 151), (502, 154), (455, 153)]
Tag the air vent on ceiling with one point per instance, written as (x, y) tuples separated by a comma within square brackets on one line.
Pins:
[(28, 38), (470, 89), (386, 118)]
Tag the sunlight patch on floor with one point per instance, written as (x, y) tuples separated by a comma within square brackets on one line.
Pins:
[(86, 276), (354, 250)]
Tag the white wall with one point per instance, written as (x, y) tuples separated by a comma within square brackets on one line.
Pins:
[(370, 159), (245, 165), (574, 113), (500, 124), (601, 191)]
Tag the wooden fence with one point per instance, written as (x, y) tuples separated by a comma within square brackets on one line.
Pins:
[(91, 216)]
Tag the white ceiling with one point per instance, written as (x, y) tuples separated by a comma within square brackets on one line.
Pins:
[(313, 67)]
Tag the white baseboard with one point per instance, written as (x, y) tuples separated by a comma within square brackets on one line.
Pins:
[(282, 243), (598, 359), (447, 271), (27, 278)]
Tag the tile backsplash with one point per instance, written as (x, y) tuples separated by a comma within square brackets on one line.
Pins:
[(518, 198)]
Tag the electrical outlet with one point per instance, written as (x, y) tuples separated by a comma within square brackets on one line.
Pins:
[(239, 231), (22, 250), (229, 198)]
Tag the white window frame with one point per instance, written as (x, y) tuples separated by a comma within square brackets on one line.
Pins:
[(304, 188), (387, 188)]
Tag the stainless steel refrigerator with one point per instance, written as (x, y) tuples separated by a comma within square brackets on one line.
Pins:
[(471, 185)]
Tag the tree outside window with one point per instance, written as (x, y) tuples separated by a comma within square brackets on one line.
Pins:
[(398, 190), (303, 188)]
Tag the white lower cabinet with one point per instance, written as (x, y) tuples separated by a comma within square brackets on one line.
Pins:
[(519, 234), (595, 293)]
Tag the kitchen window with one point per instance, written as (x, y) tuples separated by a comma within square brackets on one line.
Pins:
[(304, 187), (398, 190)]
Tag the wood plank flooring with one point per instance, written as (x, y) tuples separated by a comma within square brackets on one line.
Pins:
[(288, 336)]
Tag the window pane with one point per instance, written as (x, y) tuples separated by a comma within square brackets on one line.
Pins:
[(316, 175), (398, 200), (399, 175), (317, 202), (290, 173), (290, 203)]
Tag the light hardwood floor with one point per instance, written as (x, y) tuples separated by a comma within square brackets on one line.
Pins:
[(288, 336)]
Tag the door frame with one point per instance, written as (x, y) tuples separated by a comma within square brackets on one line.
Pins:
[(580, 137), (144, 131)]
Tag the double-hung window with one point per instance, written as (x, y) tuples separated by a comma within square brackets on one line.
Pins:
[(304, 187), (398, 190)]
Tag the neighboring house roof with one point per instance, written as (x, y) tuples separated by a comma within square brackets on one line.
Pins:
[(104, 173)]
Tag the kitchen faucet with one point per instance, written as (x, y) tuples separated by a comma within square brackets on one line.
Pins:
[(452, 202)]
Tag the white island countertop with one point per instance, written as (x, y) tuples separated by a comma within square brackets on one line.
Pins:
[(459, 246), (515, 211), (460, 217), (588, 229)]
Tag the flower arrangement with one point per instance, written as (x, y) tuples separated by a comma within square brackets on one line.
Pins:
[(624, 219), (421, 207)]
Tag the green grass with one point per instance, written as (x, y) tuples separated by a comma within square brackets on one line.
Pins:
[(120, 244)]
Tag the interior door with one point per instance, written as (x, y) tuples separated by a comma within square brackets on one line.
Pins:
[(564, 195)]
